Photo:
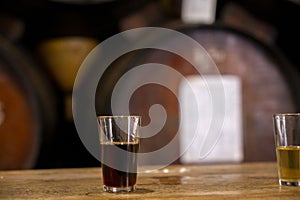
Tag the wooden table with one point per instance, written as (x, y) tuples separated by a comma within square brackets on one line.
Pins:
[(236, 181)]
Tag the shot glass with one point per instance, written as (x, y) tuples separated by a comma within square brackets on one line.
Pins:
[(119, 141), (287, 142)]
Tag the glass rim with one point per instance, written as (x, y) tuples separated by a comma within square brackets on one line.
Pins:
[(117, 116), (285, 114)]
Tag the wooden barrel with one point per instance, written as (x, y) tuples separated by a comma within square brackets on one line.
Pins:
[(269, 85), (27, 108)]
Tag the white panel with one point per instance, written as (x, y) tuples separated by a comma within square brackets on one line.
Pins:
[(196, 110), (198, 11)]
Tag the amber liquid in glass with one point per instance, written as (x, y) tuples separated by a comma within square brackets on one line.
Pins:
[(288, 159)]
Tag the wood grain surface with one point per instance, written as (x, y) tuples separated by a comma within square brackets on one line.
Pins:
[(234, 181)]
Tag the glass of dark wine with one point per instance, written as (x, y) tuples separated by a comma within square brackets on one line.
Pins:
[(119, 141)]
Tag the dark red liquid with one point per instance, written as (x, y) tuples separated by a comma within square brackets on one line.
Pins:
[(117, 178)]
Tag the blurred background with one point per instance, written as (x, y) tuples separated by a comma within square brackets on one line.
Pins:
[(43, 42)]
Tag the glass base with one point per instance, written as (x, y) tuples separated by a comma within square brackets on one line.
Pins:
[(289, 183), (118, 189)]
